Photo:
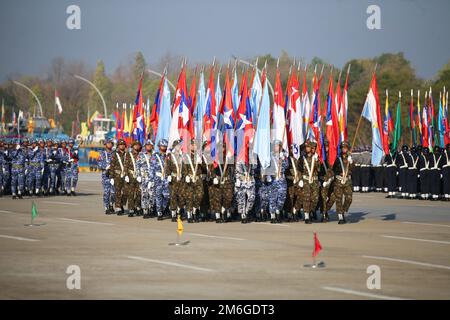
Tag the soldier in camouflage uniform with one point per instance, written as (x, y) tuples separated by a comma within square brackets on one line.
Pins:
[(36, 167), (132, 189), (3, 159), (175, 177), (18, 158), (104, 163), (116, 173), (71, 171), (145, 178), (295, 193), (310, 180), (278, 188), (62, 168), (262, 188), (53, 162), (343, 189), (245, 188), (326, 176), (161, 185), (193, 187)]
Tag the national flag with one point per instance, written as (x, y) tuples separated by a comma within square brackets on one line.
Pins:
[(441, 123), (235, 91), (316, 118), (58, 102), (138, 115), (425, 125), (332, 125), (279, 113), (192, 102), (371, 112), (244, 123), (296, 135), (156, 110), (255, 95), (419, 119), (317, 246), (411, 119), (388, 124), (199, 110), (210, 116), (261, 146), (343, 111), (164, 115), (398, 125), (306, 108), (227, 118)]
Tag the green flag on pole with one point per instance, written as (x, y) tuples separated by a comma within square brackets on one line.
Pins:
[(34, 211), (398, 125)]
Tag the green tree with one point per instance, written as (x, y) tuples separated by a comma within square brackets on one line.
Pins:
[(102, 82)]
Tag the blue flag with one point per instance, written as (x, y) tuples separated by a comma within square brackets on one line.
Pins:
[(165, 115), (261, 146)]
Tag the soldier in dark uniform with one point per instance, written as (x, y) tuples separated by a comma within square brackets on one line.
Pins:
[(390, 173), (356, 176), (310, 166), (424, 169), (132, 189), (413, 172), (343, 190), (435, 166), (446, 173), (117, 172), (365, 170), (402, 166)]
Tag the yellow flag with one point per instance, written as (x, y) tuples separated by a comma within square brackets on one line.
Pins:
[(84, 130), (180, 226)]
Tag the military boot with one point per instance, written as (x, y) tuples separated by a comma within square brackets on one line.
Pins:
[(278, 216), (131, 213), (146, 214), (174, 216), (325, 217), (218, 218), (307, 220), (341, 218), (244, 218)]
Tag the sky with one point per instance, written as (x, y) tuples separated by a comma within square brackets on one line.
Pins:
[(33, 32)]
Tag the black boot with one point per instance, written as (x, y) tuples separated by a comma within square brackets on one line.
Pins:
[(131, 213)]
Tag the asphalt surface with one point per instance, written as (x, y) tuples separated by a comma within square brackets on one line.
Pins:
[(130, 258)]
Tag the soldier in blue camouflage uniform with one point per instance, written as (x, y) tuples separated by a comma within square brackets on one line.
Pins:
[(145, 178), (262, 185), (46, 175), (2, 168), (61, 173), (36, 167), (245, 188), (28, 146), (71, 168), (161, 184), (278, 187), (104, 162), (18, 159), (7, 167), (53, 162)]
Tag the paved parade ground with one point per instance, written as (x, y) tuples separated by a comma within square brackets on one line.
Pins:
[(129, 258)]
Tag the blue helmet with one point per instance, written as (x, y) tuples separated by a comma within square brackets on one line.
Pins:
[(149, 141), (163, 143)]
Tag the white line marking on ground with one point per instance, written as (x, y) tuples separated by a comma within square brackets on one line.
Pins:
[(84, 221), (416, 239), (6, 211), (174, 264), (18, 238), (410, 262), (218, 237), (428, 224), (272, 224), (362, 294), (63, 203)]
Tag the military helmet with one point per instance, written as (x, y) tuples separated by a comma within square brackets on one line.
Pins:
[(312, 144), (121, 141), (277, 142), (405, 148), (176, 142), (108, 141), (162, 143), (436, 149), (345, 144), (71, 141), (149, 142), (136, 142)]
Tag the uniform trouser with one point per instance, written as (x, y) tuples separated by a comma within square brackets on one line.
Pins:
[(108, 191), (356, 176), (310, 195), (35, 174), (147, 194), (390, 178), (411, 183), (119, 186), (277, 196), (2, 183), (424, 181), (46, 178), (326, 198), (7, 178), (195, 194), (220, 195), (435, 181), (71, 176), (245, 198), (162, 193), (402, 179), (294, 197), (379, 181), (53, 170), (133, 194), (343, 194), (17, 180), (365, 177), (177, 195), (263, 189), (446, 180), (61, 173)]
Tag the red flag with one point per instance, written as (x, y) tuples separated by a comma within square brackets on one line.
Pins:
[(317, 246)]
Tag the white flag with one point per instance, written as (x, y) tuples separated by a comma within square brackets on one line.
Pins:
[(58, 102)]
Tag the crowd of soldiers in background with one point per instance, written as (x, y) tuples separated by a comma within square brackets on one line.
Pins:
[(38, 167), (172, 183), (411, 173)]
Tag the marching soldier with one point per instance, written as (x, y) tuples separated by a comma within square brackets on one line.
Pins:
[(365, 170), (53, 163), (446, 173), (62, 168), (46, 175), (343, 190), (262, 188), (424, 169), (161, 183), (18, 159), (295, 193), (278, 188), (435, 173), (145, 178), (390, 173), (132, 180), (245, 188), (116, 173), (71, 171), (326, 174), (104, 163), (36, 167), (193, 182), (221, 197), (402, 165), (3, 159), (175, 178), (413, 172), (310, 180)]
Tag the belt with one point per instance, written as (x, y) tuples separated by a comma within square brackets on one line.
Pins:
[(35, 164), (17, 166)]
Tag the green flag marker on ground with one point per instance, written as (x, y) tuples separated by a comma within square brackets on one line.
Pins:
[(34, 214)]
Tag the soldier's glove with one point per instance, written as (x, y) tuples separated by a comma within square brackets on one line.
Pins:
[(169, 178), (350, 160), (18, 147), (188, 179), (107, 167), (216, 181), (42, 171), (418, 176), (396, 173), (139, 179), (111, 181), (325, 184), (300, 184), (442, 176), (71, 160), (150, 184), (127, 179), (269, 178), (35, 149), (26, 171), (238, 183)]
